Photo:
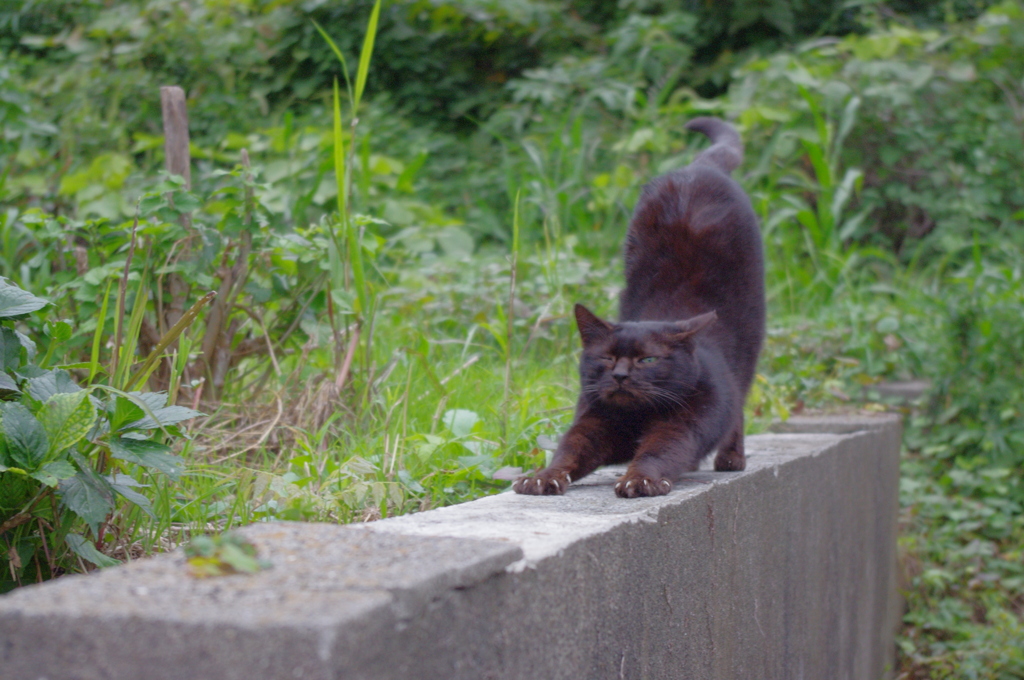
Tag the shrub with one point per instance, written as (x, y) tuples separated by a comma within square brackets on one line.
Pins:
[(938, 127), (71, 457)]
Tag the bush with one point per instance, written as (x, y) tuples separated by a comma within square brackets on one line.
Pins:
[(937, 129), (70, 457)]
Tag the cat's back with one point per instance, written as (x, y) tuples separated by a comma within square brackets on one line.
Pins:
[(694, 246)]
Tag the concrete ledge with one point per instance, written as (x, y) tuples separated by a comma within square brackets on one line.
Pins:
[(784, 571), (833, 424)]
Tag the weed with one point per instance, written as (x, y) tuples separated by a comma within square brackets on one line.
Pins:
[(68, 454)]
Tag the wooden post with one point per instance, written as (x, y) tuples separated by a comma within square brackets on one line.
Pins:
[(178, 162), (172, 101)]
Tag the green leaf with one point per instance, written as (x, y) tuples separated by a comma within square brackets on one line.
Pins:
[(82, 366), (67, 419), (152, 400), (239, 559), (339, 155), (15, 302), (10, 349), (816, 154), (45, 387), (52, 473), (60, 331), (125, 411), (185, 202), (162, 417), (26, 439), (365, 54), (405, 180), (779, 15), (27, 344), (151, 203), (148, 454), (340, 56), (846, 122), (89, 496), (847, 188), (456, 242), (122, 485), (460, 421), (222, 555), (7, 384), (87, 551)]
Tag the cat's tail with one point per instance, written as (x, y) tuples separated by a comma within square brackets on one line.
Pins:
[(726, 150)]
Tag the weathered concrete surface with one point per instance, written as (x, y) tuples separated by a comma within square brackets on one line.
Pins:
[(328, 586), (784, 571), (843, 423)]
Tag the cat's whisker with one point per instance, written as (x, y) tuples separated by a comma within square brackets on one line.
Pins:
[(663, 396)]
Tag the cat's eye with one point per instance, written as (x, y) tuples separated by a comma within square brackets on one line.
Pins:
[(648, 360)]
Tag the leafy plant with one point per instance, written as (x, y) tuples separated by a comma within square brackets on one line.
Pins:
[(937, 127), (346, 259), (68, 454)]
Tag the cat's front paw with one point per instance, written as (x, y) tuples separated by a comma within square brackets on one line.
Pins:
[(546, 482), (633, 486)]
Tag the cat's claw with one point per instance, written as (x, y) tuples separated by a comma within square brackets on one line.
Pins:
[(543, 483), (642, 486)]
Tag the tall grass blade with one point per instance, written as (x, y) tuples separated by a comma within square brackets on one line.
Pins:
[(186, 320), (122, 294), (339, 156), (515, 228), (97, 338), (846, 122), (131, 338), (819, 120), (355, 256), (365, 54), (847, 188), (178, 365), (341, 58)]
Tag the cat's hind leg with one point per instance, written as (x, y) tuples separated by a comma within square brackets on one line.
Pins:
[(731, 456)]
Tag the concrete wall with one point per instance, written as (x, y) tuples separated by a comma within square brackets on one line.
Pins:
[(785, 571)]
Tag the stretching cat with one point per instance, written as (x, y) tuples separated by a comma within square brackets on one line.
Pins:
[(665, 385)]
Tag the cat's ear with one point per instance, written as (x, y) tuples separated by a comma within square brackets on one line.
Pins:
[(592, 328), (693, 325)]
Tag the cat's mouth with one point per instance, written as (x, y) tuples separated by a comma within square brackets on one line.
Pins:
[(619, 395)]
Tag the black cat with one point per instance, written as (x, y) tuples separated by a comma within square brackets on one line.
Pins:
[(665, 385)]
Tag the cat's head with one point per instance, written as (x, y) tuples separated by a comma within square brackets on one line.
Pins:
[(639, 364)]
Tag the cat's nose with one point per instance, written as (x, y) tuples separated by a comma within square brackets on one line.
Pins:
[(620, 372)]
